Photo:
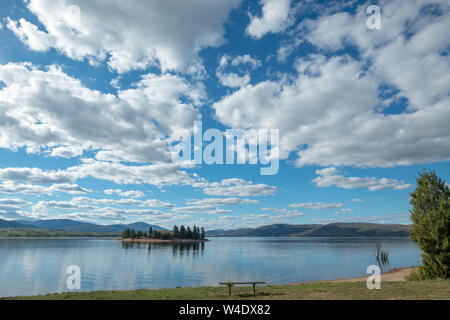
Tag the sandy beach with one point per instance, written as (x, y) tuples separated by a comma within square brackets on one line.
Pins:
[(395, 275)]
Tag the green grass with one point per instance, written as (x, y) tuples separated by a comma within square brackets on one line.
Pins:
[(47, 233), (432, 289)]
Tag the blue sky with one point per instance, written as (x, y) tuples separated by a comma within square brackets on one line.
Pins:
[(92, 94)]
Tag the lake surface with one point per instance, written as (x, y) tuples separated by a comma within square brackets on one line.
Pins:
[(38, 266)]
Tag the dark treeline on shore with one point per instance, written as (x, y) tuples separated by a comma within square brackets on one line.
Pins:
[(181, 233)]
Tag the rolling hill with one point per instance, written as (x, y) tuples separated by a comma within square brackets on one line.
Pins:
[(318, 230), (275, 230), (72, 225), (12, 224)]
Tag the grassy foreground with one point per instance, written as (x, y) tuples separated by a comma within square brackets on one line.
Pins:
[(435, 289)]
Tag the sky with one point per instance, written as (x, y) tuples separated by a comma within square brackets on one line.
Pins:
[(94, 94)]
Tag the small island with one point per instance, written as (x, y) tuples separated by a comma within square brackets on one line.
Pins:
[(181, 234)]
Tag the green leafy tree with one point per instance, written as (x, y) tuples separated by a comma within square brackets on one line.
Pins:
[(150, 232), (139, 234), (430, 215), (188, 233), (132, 234)]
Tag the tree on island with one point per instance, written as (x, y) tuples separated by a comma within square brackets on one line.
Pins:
[(126, 234), (175, 232), (181, 233), (430, 215), (202, 234), (195, 233)]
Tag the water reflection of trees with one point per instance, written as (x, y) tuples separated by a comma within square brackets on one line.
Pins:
[(178, 248), (186, 248)]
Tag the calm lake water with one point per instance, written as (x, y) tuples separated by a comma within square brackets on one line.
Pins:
[(38, 266)]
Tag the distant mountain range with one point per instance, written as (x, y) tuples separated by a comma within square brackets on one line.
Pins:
[(275, 230), (71, 225), (318, 230), (11, 224)]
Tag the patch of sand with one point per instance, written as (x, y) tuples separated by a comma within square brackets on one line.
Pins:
[(396, 274)]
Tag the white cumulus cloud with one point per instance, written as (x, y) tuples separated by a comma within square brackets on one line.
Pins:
[(275, 14), (241, 77), (317, 205), (49, 110), (235, 187), (328, 178), (131, 35)]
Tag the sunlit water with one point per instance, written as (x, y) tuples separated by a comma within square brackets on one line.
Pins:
[(38, 266)]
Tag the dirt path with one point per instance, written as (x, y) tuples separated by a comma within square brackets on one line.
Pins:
[(397, 274)]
